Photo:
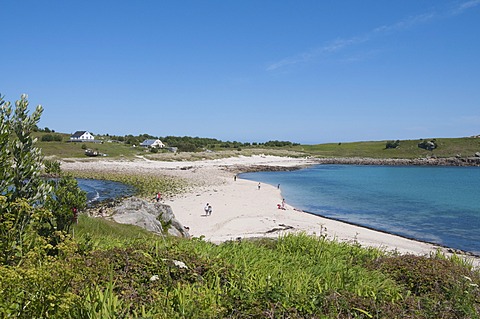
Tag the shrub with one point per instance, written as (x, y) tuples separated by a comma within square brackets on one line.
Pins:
[(51, 138), (31, 207), (428, 145), (392, 144)]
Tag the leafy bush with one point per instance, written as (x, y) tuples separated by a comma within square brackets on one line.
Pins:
[(428, 145), (51, 138), (427, 281), (392, 144), (31, 207)]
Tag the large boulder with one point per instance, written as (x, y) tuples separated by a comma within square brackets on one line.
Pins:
[(155, 217)]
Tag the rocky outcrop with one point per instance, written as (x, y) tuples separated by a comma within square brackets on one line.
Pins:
[(448, 161), (155, 217), (262, 168)]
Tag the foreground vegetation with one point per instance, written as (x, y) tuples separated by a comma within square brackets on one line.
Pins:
[(119, 271)]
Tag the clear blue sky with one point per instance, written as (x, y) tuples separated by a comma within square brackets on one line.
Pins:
[(250, 71)]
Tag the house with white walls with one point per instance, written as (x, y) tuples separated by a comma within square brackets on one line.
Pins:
[(82, 136)]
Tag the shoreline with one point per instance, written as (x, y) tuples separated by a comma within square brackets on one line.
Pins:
[(442, 247), (241, 210), (431, 161)]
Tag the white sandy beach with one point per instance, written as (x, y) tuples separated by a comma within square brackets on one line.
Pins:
[(241, 210)]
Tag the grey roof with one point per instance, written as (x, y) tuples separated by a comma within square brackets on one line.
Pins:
[(148, 142), (78, 133)]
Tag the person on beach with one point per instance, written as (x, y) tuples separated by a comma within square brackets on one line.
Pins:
[(234, 178), (209, 210), (258, 186), (158, 197), (206, 209), (283, 203), (278, 186)]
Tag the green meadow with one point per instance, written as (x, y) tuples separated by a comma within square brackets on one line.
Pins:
[(407, 149)]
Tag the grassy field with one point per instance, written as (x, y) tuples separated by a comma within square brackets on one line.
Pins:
[(408, 149), (447, 147), (66, 149)]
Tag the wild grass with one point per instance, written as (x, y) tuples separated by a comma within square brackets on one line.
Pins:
[(129, 273), (99, 233)]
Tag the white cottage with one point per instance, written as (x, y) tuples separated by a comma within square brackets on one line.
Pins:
[(152, 143), (82, 136)]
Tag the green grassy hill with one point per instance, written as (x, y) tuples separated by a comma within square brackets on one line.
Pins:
[(407, 149), (447, 147)]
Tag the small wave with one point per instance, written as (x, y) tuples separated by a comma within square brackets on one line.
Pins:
[(95, 197)]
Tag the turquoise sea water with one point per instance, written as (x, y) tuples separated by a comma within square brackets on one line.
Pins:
[(435, 204)]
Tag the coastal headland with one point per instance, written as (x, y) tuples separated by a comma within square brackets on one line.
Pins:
[(246, 209)]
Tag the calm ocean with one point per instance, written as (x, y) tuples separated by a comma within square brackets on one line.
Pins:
[(435, 204)]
